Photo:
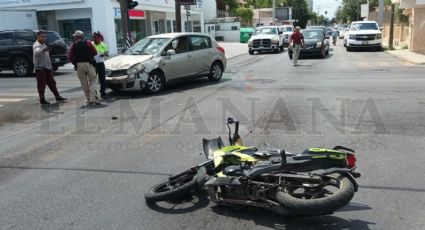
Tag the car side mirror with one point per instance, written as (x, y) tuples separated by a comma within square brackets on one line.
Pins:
[(280, 32), (171, 52)]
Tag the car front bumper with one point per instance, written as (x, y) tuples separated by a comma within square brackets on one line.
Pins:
[(59, 60), (369, 43), (133, 81), (260, 48)]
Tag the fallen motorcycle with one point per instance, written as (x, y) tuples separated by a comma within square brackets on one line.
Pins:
[(317, 182)]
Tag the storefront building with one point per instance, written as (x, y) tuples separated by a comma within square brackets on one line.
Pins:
[(148, 18)]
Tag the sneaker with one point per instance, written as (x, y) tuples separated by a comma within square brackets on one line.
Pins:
[(61, 99), (44, 102)]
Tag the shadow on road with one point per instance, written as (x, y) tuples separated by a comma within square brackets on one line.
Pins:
[(276, 221), (180, 87)]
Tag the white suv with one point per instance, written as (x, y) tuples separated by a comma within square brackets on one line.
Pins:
[(266, 38), (363, 34), (287, 31)]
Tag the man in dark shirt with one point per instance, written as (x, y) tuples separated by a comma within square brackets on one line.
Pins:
[(81, 54), (297, 41)]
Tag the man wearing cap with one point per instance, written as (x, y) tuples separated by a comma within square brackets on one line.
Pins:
[(81, 54), (297, 41), (43, 69)]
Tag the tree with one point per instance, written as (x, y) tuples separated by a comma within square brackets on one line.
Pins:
[(245, 15), (233, 5)]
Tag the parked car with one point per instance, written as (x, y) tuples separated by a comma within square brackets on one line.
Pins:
[(287, 31), (16, 51), (363, 34), (316, 44), (266, 38), (161, 59)]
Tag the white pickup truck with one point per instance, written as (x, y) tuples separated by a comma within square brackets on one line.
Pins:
[(363, 34), (266, 38)]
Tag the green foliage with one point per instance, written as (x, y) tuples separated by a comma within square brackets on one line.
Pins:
[(233, 5), (245, 15)]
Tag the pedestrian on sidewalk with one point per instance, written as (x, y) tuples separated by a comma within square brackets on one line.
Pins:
[(297, 41), (102, 53), (81, 54), (43, 68)]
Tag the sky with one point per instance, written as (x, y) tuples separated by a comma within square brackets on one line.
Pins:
[(326, 5)]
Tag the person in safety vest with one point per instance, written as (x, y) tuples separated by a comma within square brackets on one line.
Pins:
[(102, 53)]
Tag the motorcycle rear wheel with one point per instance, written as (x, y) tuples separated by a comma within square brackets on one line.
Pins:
[(319, 200), (174, 188)]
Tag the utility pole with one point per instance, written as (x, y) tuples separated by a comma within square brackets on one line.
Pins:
[(381, 13), (391, 37), (125, 23), (274, 10), (178, 17)]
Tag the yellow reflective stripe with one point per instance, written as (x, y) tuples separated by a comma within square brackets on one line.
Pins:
[(101, 47)]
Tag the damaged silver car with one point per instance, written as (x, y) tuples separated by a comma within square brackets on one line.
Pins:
[(161, 59)]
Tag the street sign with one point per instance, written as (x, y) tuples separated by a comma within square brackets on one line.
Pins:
[(187, 7), (188, 13), (187, 2)]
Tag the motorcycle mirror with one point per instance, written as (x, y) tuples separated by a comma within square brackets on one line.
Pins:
[(230, 120)]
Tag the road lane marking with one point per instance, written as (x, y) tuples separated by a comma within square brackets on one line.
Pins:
[(11, 99)]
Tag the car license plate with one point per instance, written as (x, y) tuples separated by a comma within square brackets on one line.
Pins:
[(57, 59), (364, 42), (261, 47)]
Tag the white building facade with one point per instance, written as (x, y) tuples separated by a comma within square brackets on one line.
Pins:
[(148, 18)]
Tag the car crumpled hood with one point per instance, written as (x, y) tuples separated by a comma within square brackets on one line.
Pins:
[(125, 61), (264, 36), (357, 32)]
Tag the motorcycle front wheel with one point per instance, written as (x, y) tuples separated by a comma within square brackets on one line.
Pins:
[(335, 192), (174, 187)]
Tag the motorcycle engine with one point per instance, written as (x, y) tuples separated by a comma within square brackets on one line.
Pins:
[(231, 192)]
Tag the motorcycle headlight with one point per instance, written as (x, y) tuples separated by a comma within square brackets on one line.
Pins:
[(135, 69), (275, 40), (378, 36), (352, 36), (319, 44)]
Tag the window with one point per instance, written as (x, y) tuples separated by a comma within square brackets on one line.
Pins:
[(25, 38), (180, 45), (53, 37), (234, 28), (6, 39), (169, 29), (200, 42)]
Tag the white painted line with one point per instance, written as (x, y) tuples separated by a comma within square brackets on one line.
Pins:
[(11, 99)]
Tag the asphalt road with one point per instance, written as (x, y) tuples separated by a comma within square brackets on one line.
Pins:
[(71, 167)]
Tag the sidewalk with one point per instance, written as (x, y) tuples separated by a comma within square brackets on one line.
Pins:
[(408, 56)]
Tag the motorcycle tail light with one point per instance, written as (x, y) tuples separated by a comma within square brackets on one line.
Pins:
[(351, 160)]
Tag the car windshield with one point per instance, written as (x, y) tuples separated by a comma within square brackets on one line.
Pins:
[(312, 34), (53, 37), (148, 46), (364, 26), (286, 29), (265, 30)]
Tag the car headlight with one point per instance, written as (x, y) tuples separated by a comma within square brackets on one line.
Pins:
[(108, 72), (249, 42), (378, 36), (275, 40), (352, 36), (319, 44), (135, 69)]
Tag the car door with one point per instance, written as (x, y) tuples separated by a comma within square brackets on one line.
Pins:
[(180, 64), (202, 53), (6, 44)]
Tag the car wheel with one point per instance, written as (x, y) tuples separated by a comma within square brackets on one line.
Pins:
[(276, 50), (55, 68), (251, 52), (22, 67), (155, 82), (216, 71), (327, 52)]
